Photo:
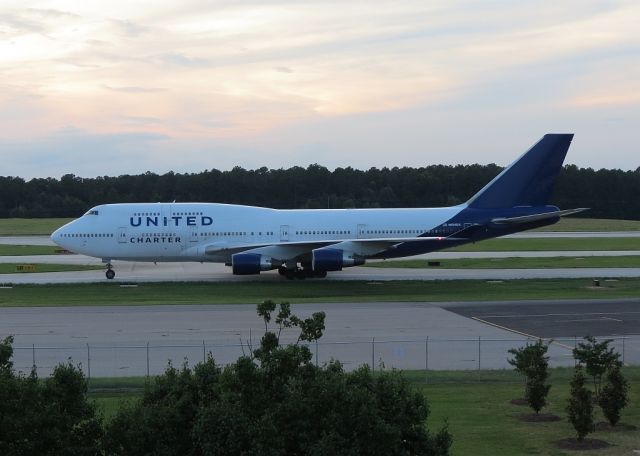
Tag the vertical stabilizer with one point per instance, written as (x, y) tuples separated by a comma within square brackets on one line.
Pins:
[(528, 181)]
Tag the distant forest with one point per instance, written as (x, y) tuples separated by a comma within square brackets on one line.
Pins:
[(609, 193)]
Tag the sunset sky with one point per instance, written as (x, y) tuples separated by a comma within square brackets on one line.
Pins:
[(107, 88)]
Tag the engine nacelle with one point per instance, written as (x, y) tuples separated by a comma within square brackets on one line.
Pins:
[(251, 263), (328, 259)]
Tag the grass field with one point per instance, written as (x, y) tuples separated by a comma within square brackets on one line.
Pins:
[(476, 406), (11, 268), (552, 244), (587, 224), (483, 422), (24, 250), (515, 263), (312, 291), (24, 227)]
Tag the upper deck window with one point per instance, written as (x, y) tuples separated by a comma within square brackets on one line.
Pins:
[(92, 212)]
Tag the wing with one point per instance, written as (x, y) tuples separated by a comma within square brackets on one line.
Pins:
[(288, 251)]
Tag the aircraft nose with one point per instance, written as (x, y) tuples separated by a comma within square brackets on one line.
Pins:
[(56, 236)]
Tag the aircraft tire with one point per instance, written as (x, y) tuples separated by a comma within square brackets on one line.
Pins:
[(110, 274)]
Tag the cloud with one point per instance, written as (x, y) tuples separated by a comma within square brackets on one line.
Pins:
[(73, 150), (364, 83), (181, 60), (134, 89)]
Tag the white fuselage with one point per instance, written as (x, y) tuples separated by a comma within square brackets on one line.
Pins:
[(209, 231)]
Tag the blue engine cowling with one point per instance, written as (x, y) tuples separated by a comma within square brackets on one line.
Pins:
[(250, 263), (328, 259)]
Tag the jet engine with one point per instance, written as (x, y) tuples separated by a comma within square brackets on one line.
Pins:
[(251, 263), (328, 259)]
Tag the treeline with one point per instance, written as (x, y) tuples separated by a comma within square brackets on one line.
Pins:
[(609, 193)]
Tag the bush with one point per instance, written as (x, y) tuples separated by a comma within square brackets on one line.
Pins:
[(597, 358), (275, 401), (532, 362), (580, 406), (614, 395), (46, 418)]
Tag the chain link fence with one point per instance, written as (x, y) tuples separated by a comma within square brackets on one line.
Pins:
[(415, 354)]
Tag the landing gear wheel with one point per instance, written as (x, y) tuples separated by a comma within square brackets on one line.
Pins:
[(110, 273)]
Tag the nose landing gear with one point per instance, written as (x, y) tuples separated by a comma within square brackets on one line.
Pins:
[(110, 273)]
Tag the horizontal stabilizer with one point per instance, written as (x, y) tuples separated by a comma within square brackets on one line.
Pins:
[(536, 217)]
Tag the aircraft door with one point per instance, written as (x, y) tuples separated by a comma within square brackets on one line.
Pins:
[(122, 235), (284, 233), (361, 232)]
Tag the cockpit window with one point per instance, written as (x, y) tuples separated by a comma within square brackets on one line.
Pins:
[(92, 212)]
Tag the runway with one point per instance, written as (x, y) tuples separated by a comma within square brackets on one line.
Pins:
[(177, 271), (120, 341), (210, 272)]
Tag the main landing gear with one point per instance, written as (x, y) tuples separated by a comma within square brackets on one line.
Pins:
[(110, 273), (300, 273)]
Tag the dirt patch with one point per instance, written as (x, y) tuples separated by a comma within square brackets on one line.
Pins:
[(620, 427), (518, 402), (585, 444), (539, 417)]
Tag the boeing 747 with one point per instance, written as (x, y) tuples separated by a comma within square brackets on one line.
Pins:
[(302, 243)]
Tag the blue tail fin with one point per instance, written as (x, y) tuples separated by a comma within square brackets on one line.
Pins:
[(529, 180)]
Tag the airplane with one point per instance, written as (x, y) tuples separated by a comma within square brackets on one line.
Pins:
[(305, 243)]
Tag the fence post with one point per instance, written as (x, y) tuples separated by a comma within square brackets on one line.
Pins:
[(147, 359), (575, 345), (373, 354), (316, 352), (426, 359), (33, 356), (88, 362), (204, 352), (623, 344), (479, 352)]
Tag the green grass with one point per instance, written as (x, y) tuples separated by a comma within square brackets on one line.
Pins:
[(483, 422), (27, 227), (24, 250), (11, 268), (550, 244), (476, 406), (587, 224), (515, 263), (312, 291)]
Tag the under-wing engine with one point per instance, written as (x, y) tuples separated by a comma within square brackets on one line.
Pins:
[(251, 263), (331, 259)]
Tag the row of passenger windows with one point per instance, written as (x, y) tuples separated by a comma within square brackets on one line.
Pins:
[(394, 231), (153, 214), (235, 233), (87, 235), (322, 232)]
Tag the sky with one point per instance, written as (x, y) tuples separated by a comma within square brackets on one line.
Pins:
[(124, 87)]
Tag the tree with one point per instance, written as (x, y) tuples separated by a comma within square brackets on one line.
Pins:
[(532, 362), (50, 417), (614, 395), (597, 357), (580, 405), (275, 401)]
